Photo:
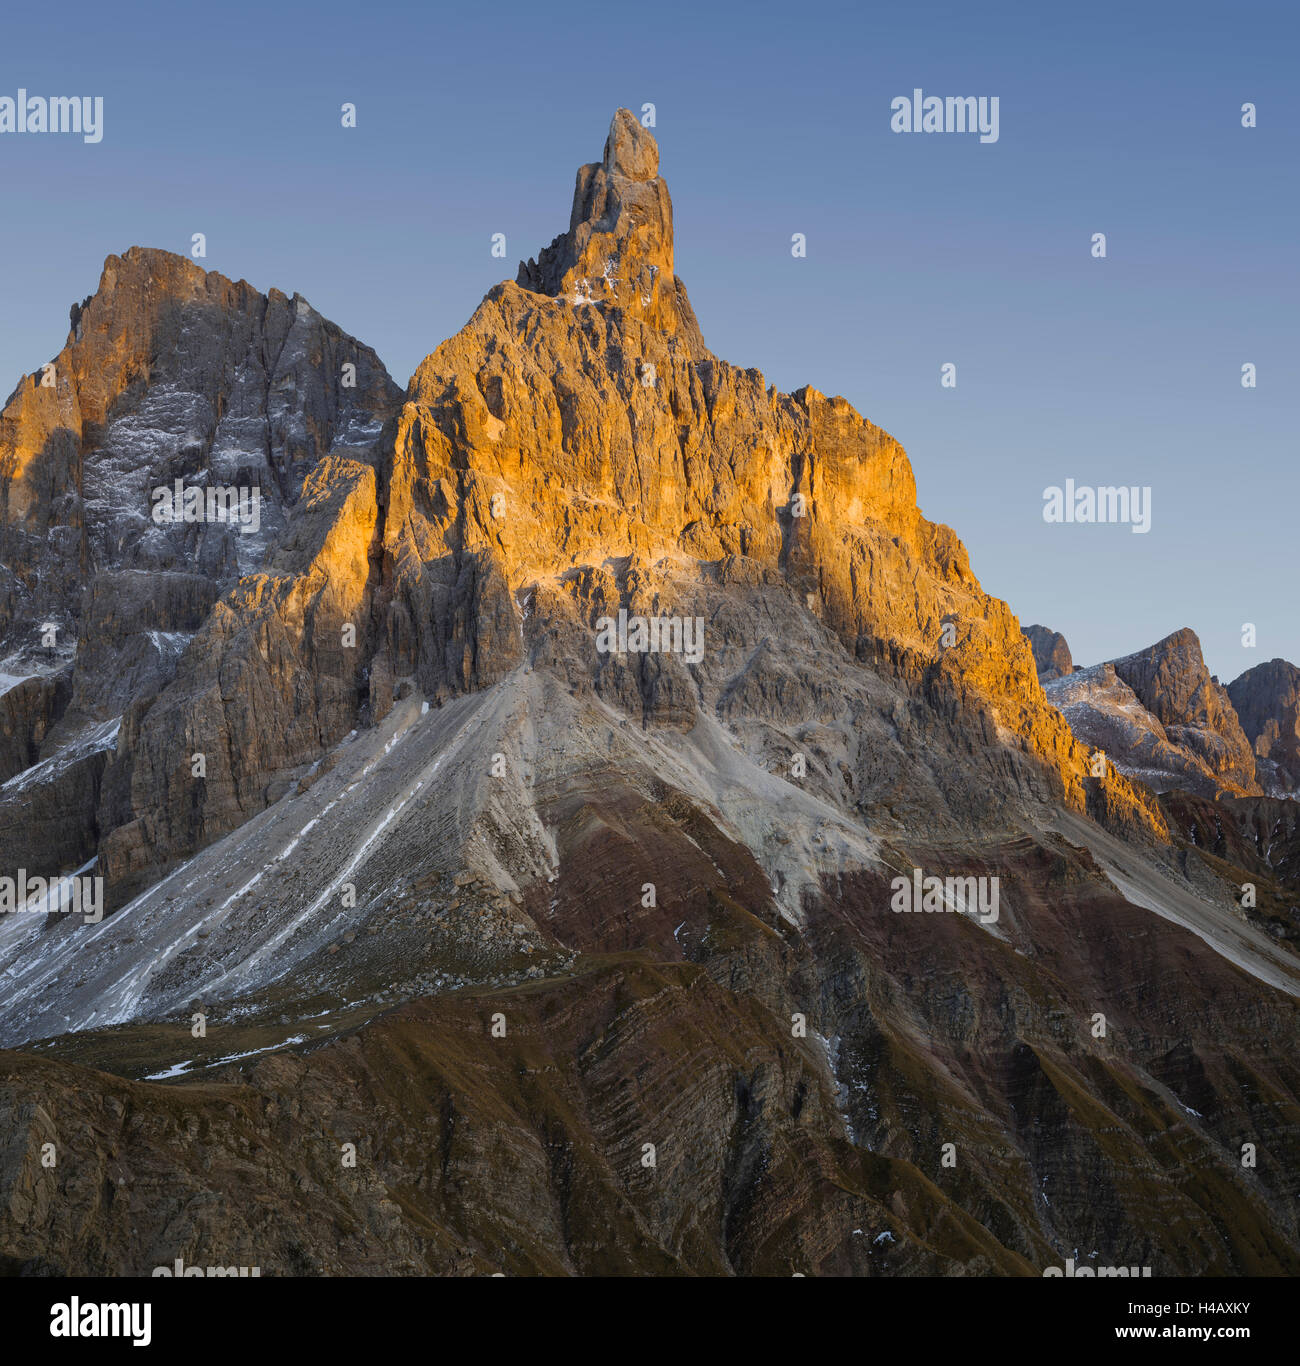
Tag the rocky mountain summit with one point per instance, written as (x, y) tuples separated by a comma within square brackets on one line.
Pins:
[(591, 948), (1219, 758), (1051, 653), (1267, 702), (618, 251), (1161, 717), (1170, 679), (115, 627)]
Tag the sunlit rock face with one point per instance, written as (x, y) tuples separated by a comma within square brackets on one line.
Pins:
[(579, 448), (618, 251), (575, 448)]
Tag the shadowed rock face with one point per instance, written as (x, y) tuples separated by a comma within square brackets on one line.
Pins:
[(1162, 718), (1051, 653), (671, 876), (1267, 700), (179, 638), (1170, 679)]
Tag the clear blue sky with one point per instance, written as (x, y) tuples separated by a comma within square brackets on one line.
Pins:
[(772, 119)]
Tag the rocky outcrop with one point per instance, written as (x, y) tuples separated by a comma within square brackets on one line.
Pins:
[(1267, 701), (29, 708), (270, 681), (1161, 718), (1170, 679), (171, 373), (1051, 653), (581, 451), (618, 251)]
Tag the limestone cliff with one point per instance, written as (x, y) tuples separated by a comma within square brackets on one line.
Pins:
[(575, 447), (1267, 701), (1161, 717), (132, 644), (1051, 653), (573, 450)]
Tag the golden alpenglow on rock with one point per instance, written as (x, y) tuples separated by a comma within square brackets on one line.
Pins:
[(503, 842), (618, 490)]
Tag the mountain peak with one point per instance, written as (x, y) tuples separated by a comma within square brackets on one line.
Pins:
[(618, 251), (1267, 699), (1171, 681), (630, 149), (1052, 657)]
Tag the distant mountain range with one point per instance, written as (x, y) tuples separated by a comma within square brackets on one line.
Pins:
[(1163, 718)]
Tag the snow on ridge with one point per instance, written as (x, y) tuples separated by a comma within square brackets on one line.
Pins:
[(100, 737), (170, 642)]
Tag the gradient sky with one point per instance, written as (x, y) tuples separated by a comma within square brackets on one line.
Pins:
[(771, 119)]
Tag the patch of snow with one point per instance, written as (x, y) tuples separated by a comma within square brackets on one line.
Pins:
[(100, 737), (179, 1069)]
